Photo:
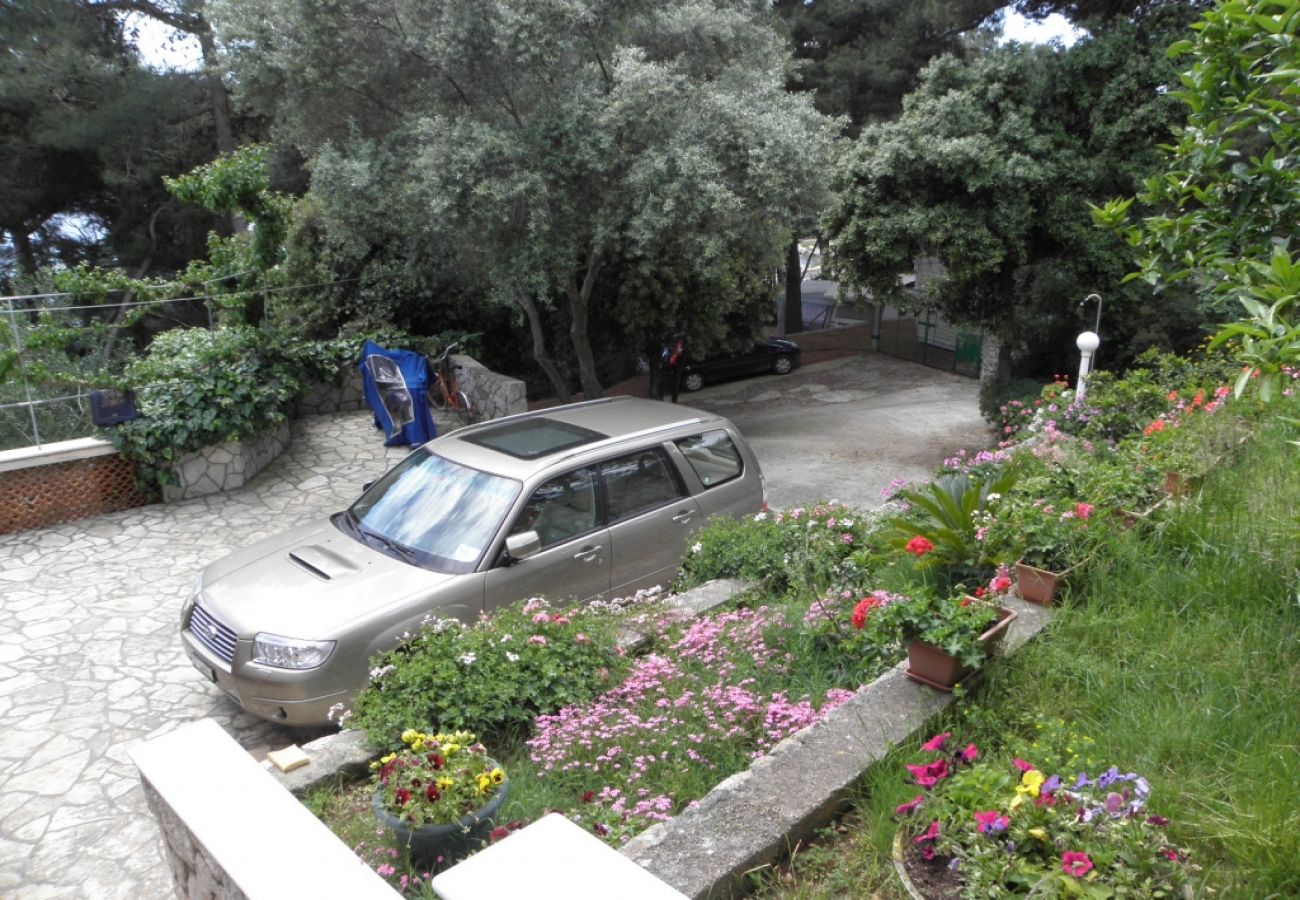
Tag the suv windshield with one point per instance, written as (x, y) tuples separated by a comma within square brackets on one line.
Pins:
[(433, 512)]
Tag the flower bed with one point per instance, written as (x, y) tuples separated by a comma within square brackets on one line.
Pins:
[(618, 744)]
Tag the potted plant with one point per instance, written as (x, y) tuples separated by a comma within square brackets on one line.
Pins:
[(948, 635), (1045, 537), (439, 795), (1052, 826), (941, 523)]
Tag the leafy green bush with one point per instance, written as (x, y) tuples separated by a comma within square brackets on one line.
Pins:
[(798, 547), (494, 675), (196, 387)]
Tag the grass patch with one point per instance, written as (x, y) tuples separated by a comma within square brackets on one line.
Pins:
[(1179, 657)]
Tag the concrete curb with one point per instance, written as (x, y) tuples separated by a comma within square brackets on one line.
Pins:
[(754, 818)]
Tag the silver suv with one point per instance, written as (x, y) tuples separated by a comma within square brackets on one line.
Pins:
[(583, 501)]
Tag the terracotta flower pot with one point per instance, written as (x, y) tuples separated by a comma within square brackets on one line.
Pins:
[(1176, 484), (1036, 585), (930, 665)]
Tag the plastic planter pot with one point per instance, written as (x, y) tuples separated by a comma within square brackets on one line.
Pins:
[(932, 666), (1036, 585), (440, 846)]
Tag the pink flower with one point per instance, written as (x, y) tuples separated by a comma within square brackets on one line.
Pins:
[(931, 833), (928, 775), (846, 538), (936, 743), (907, 808), (1075, 863), (537, 639), (1021, 764), (1083, 510), (969, 754)]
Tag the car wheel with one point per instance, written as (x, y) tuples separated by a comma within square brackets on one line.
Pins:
[(693, 381), (783, 364)]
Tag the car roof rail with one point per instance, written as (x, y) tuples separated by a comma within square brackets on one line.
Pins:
[(631, 435), (537, 413)]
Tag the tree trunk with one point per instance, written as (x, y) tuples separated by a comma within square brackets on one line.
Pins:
[(579, 299), (534, 316), (793, 288), (23, 250), (217, 93)]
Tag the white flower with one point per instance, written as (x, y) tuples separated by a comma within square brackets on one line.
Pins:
[(696, 547), (467, 659), (507, 638), (512, 657), (761, 517)]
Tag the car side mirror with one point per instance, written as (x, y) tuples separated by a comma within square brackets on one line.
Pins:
[(523, 545)]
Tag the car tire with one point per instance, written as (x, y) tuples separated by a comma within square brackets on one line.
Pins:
[(783, 364), (693, 381)]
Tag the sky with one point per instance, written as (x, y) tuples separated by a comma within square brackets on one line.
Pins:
[(182, 52), (1018, 28)]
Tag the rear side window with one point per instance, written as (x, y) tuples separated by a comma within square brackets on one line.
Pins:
[(637, 482), (713, 456)]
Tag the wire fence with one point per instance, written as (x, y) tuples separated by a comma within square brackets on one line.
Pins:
[(38, 408)]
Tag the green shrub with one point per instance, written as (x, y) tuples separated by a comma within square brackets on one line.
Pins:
[(796, 548), (196, 387), (491, 676)]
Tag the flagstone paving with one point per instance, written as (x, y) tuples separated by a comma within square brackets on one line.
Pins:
[(90, 660)]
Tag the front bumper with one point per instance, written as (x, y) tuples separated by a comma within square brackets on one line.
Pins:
[(287, 696)]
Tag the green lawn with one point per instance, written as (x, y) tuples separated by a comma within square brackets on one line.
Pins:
[(1177, 653)]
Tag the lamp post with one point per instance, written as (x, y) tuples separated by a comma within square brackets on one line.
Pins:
[(1088, 342)]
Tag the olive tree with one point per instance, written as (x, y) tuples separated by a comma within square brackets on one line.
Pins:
[(544, 144)]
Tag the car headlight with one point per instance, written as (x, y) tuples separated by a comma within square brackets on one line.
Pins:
[(287, 653)]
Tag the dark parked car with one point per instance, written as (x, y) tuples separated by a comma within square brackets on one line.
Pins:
[(776, 355)]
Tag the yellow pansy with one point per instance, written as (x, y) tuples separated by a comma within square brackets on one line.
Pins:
[(445, 784), (497, 776), (1030, 782), (1038, 833), (409, 735)]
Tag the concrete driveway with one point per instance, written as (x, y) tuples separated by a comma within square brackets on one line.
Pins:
[(90, 664), (843, 429)]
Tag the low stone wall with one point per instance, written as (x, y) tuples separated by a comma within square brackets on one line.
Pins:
[(227, 466), (326, 397), (750, 820), (492, 395), (55, 483)]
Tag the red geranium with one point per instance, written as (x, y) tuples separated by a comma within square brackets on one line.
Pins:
[(918, 546)]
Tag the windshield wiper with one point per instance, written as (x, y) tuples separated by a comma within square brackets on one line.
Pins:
[(401, 550)]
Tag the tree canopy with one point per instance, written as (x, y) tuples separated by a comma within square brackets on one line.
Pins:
[(988, 169), (548, 144)]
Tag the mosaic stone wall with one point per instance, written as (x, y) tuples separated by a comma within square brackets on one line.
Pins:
[(225, 467)]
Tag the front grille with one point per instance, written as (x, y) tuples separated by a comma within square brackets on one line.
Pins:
[(213, 634)]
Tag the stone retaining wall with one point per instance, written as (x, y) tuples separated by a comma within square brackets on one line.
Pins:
[(326, 397), (491, 394), (227, 466)]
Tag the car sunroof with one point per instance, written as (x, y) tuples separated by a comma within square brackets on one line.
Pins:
[(534, 438)]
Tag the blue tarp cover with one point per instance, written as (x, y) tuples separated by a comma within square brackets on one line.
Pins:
[(396, 384)]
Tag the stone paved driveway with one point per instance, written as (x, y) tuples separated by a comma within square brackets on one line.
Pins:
[(90, 663)]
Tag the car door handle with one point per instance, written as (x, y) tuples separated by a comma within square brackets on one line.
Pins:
[(587, 554), (684, 516)]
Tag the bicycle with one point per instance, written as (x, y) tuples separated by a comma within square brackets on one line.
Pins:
[(445, 392)]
